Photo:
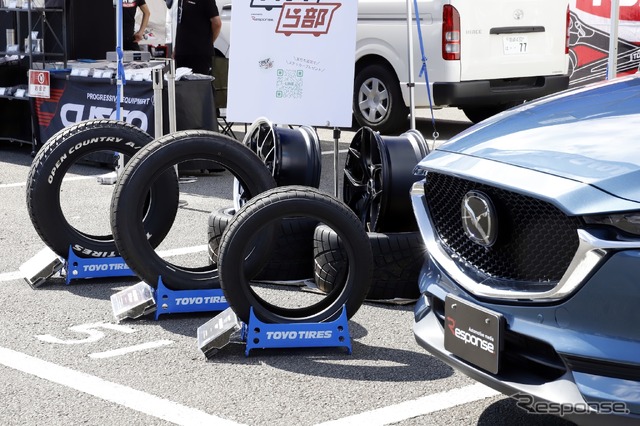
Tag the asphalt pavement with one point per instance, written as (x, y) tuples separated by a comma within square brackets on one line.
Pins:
[(64, 360)]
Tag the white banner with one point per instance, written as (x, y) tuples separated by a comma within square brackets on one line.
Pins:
[(292, 61)]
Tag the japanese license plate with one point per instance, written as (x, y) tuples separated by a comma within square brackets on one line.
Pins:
[(515, 44), (473, 333)]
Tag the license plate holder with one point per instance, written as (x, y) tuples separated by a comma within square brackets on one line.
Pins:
[(515, 44), (473, 333)]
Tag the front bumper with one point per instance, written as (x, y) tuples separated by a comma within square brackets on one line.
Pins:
[(542, 344)]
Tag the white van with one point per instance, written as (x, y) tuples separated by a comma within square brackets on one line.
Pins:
[(482, 56)]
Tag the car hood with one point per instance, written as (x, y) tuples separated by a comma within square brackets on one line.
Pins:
[(588, 135)]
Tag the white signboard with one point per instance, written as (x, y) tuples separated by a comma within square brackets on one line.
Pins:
[(292, 61)]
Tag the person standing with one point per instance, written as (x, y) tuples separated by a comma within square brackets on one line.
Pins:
[(130, 37), (198, 26)]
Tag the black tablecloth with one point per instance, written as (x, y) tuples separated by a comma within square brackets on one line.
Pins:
[(75, 99)]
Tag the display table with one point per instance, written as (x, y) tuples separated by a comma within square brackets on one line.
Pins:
[(74, 99)]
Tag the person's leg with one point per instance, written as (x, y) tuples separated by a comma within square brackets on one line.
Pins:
[(202, 64), (198, 64)]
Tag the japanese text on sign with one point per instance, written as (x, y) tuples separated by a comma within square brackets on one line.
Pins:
[(300, 18)]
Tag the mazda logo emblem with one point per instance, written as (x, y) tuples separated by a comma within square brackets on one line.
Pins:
[(479, 219)]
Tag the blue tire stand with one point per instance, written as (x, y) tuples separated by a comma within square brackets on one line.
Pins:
[(95, 267), (261, 335)]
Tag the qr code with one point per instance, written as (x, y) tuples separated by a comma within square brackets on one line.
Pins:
[(289, 84)]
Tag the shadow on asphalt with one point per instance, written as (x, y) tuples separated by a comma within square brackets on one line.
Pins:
[(15, 153), (506, 413), (366, 363)]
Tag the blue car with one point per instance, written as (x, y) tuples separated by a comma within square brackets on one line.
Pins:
[(531, 284)]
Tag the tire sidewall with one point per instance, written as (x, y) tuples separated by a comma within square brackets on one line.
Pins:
[(294, 202), (49, 168), (149, 163)]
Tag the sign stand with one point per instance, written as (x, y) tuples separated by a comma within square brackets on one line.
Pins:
[(142, 299), (37, 270), (189, 301), (103, 267), (226, 328)]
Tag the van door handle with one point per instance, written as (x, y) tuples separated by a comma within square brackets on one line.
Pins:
[(515, 30)]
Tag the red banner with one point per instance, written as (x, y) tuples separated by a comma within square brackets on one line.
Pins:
[(629, 9)]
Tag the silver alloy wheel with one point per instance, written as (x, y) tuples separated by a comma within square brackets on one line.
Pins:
[(373, 100)]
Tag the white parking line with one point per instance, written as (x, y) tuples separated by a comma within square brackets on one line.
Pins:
[(340, 151), (417, 407), (131, 398), (66, 179), (10, 276), (130, 349), (182, 251)]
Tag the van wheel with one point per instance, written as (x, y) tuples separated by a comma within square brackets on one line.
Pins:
[(377, 100), (478, 113)]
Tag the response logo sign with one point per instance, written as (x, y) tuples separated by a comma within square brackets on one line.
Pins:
[(292, 61)]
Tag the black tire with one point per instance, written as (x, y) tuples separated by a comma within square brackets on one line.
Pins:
[(397, 261), (294, 201), (292, 256), (217, 223), (162, 154), (54, 160), (378, 101)]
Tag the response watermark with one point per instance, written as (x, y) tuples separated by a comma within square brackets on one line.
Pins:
[(530, 405)]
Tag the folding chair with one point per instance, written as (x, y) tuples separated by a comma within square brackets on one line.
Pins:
[(220, 70)]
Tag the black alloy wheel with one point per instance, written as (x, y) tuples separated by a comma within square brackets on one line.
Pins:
[(378, 175), (292, 155)]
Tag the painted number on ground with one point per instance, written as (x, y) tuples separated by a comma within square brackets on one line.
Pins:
[(92, 332)]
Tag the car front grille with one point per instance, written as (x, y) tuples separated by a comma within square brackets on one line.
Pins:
[(536, 241)]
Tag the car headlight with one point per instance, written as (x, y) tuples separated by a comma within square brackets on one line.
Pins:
[(627, 222)]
